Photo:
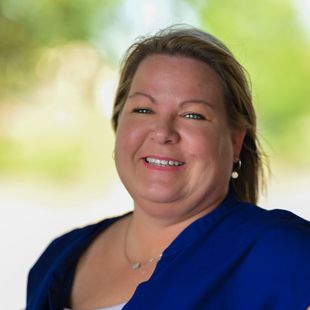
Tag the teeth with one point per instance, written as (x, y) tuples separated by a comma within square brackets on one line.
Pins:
[(163, 162)]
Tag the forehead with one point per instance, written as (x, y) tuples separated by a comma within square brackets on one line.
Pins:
[(184, 76), (187, 63)]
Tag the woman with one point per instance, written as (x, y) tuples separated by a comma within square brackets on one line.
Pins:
[(187, 152)]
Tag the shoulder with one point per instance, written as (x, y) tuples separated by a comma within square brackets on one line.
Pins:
[(281, 254), (277, 226), (70, 241), (272, 248), (281, 225), (256, 221), (61, 254), (270, 232), (64, 243), (281, 239), (287, 234)]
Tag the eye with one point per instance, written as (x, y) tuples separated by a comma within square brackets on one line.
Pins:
[(195, 116), (142, 111)]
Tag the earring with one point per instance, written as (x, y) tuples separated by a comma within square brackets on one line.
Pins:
[(235, 174)]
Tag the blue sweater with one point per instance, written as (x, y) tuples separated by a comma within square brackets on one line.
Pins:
[(238, 257)]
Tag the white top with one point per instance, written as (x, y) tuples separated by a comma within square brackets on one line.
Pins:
[(116, 307)]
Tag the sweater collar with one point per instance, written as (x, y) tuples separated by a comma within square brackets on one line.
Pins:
[(202, 225)]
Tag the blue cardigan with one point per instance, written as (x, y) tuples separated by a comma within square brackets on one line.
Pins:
[(238, 257)]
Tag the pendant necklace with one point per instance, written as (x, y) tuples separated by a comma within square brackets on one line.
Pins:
[(135, 265)]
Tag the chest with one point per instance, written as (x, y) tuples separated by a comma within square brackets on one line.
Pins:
[(104, 278)]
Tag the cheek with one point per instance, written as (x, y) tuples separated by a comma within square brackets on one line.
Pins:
[(226, 145), (128, 136), (202, 143), (211, 145)]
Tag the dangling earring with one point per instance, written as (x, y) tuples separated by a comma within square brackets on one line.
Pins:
[(235, 174)]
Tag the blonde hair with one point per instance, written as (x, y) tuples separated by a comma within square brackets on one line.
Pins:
[(197, 44)]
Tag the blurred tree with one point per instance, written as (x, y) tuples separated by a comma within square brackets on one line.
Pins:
[(48, 36), (40, 140), (17, 57), (28, 26)]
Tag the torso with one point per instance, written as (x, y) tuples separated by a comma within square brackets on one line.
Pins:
[(103, 276)]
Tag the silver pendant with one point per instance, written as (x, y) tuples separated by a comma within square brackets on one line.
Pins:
[(136, 265)]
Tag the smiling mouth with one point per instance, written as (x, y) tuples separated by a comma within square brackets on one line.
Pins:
[(163, 162)]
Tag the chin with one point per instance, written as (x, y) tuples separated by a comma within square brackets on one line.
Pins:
[(161, 198), (163, 208), (161, 194)]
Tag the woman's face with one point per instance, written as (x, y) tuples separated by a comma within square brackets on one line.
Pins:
[(174, 148)]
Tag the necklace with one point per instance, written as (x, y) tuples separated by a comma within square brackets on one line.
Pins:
[(138, 264), (135, 265)]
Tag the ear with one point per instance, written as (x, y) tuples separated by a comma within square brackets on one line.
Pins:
[(237, 137)]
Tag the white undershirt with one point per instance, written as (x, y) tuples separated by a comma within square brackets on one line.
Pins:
[(116, 307)]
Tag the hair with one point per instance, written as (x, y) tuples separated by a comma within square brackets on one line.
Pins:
[(197, 44)]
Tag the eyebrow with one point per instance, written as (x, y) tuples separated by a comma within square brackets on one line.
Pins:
[(185, 102), (138, 93), (200, 101)]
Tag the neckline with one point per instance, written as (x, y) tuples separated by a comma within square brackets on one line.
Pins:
[(185, 238), (202, 224), (71, 261), (114, 307)]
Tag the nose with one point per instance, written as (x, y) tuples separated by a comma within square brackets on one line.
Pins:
[(165, 132)]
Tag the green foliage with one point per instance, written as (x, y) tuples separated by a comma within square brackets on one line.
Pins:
[(58, 162), (28, 29), (265, 36), (56, 20), (17, 57), (28, 26)]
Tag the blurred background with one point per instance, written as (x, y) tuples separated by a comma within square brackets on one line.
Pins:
[(59, 62)]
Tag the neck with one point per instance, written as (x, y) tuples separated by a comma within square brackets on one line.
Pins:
[(148, 235)]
